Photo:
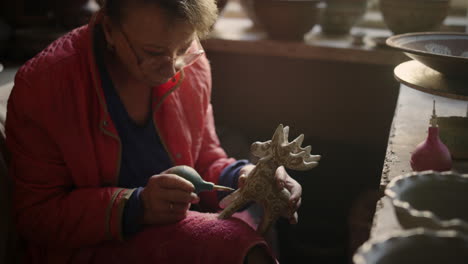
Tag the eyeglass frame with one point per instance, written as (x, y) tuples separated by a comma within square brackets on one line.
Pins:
[(140, 60)]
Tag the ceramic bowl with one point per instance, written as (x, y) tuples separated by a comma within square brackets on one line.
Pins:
[(444, 52), (340, 16), (247, 6), (415, 246), (404, 16), (287, 19), (453, 131), (430, 199)]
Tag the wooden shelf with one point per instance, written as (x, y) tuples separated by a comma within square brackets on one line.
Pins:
[(409, 128), (420, 77), (236, 35)]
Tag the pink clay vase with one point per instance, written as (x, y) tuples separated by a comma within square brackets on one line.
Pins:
[(431, 154)]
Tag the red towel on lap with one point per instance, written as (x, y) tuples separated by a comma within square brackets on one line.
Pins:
[(199, 238)]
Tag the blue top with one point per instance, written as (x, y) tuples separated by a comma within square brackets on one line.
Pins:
[(143, 154)]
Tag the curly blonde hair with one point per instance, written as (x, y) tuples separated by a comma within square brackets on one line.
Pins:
[(201, 14)]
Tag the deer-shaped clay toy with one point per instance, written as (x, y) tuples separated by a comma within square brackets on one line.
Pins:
[(260, 185)]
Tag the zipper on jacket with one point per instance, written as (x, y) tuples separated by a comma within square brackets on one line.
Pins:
[(154, 116), (97, 85), (119, 158)]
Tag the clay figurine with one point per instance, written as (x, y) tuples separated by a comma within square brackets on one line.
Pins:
[(260, 185)]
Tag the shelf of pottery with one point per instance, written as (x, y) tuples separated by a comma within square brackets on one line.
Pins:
[(422, 217), (341, 30)]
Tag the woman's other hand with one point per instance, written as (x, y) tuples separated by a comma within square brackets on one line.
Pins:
[(283, 180)]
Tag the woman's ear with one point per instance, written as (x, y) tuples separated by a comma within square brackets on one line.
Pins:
[(109, 31)]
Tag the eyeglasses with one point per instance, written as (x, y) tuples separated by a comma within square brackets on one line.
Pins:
[(151, 64)]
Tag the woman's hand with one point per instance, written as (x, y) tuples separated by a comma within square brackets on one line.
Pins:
[(167, 198), (283, 180)]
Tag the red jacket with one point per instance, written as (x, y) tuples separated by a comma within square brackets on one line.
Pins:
[(66, 150)]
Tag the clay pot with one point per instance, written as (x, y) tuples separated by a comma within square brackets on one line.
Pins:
[(287, 20), (404, 16), (341, 15), (247, 6)]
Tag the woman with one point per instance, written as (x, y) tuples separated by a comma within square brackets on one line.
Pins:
[(96, 119)]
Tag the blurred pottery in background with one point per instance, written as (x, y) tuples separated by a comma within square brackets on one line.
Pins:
[(288, 19), (341, 15), (415, 246), (453, 131), (403, 16), (220, 3), (248, 7)]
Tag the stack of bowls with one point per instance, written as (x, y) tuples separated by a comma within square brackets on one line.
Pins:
[(429, 199), (432, 208), (415, 246), (403, 16)]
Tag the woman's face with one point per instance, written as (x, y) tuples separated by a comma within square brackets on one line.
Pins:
[(150, 44)]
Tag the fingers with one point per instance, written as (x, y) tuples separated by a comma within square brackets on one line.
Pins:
[(167, 198), (244, 171), (281, 176), (295, 206), (178, 196), (298, 204), (294, 188), (285, 181), (241, 181), (294, 219), (172, 181)]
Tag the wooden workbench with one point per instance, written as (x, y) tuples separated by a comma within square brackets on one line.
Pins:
[(409, 128)]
